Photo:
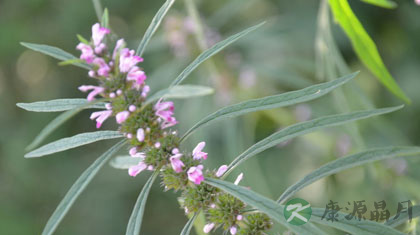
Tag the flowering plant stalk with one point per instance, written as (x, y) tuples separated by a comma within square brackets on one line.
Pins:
[(148, 126)]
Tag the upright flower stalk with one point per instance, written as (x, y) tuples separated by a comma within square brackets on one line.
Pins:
[(147, 128)]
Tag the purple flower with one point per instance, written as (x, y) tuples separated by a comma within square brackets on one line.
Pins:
[(233, 230), (208, 227), (165, 110), (239, 217), (120, 43), (103, 66), (122, 116), (100, 48), (195, 174), (98, 33), (140, 134), (95, 91), (197, 154), (176, 163), (135, 170), (87, 52), (136, 75), (128, 59), (132, 151), (145, 90), (100, 117), (222, 169)]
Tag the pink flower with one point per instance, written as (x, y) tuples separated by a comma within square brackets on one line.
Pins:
[(100, 48), (176, 163), (140, 155), (135, 170), (197, 154), (165, 110), (239, 217), (195, 174), (136, 75), (239, 178), (140, 134), (122, 116), (100, 117), (95, 91), (128, 59), (120, 43), (132, 151), (417, 2), (87, 52), (103, 66), (208, 227), (145, 91), (98, 33), (233, 230), (222, 169)]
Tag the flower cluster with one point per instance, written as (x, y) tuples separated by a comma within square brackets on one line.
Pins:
[(122, 86)]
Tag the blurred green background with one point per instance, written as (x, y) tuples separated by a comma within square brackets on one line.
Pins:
[(277, 58)]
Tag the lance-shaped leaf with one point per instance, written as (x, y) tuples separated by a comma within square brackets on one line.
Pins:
[(73, 142), (263, 204), (346, 163), (59, 105), (364, 46), (352, 226), (210, 52), (271, 102), (78, 188), (180, 92), (153, 26), (275, 211), (134, 224), (54, 52), (124, 162), (304, 128), (403, 217), (382, 3), (58, 121), (187, 228)]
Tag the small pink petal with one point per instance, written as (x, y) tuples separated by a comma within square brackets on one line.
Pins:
[(239, 178), (140, 134), (222, 169)]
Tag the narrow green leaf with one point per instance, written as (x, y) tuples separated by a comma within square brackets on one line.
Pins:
[(353, 226), (82, 39), (124, 162), (364, 46), (59, 105), (157, 19), (180, 92), (210, 52), (304, 128), (270, 102), (403, 217), (78, 188), (54, 52), (382, 3), (187, 228), (70, 62), (58, 121), (346, 163), (105, 19), (73, 142), (263, 204), (275, 211), (134, 224)]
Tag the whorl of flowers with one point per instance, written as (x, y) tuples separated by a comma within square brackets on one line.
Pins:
[(122, 84)]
